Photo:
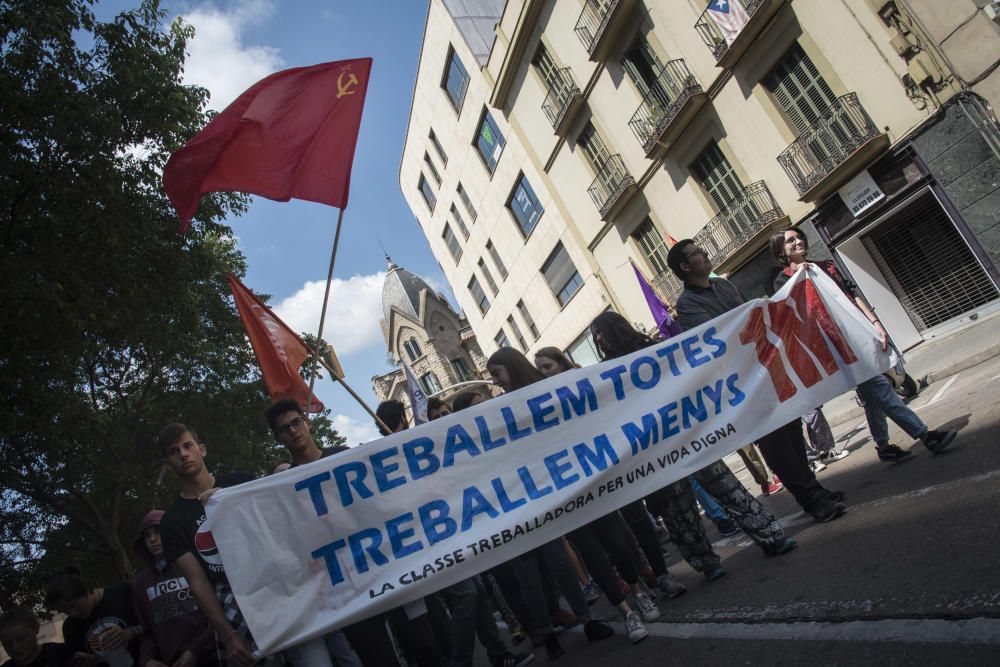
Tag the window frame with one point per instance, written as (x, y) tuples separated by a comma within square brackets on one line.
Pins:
[(497, 261), (501, 144), (452, 57), (521, 183), (463, 194), (529, 321), (575, 278), (438, 148), (428, 194), (447, 231), (478, 301)]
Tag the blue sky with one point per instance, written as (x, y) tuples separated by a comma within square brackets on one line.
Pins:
[(287, 245)]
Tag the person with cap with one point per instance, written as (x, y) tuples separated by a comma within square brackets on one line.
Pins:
[(176, 633)]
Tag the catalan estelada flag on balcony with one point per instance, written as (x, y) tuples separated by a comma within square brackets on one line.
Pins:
[(730, 16)]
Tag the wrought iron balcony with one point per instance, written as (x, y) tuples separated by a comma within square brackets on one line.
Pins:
[(669, 286), (598, 22), (828, 144), (729, 37), (563, 95), (752, 211), (662, 104), (613, 181)]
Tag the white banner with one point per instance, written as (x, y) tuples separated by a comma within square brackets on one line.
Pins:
[(323, 545)]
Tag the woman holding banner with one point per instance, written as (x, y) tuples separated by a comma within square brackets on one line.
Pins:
[(510, 370), (615, 337)]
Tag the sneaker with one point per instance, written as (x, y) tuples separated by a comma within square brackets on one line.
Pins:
[(780, 548), (592, 593), (770, 488), (597, 630), (817, 466), (893, 454), (634, 628), (715, 573), (647, 608), (937, 441), (727, 527), (508, 659), (670, 586), (553, 648), (823, 508), (834, 455)]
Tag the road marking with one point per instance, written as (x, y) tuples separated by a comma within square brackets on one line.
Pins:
[(942, 390), (973, 631), (995, 377)]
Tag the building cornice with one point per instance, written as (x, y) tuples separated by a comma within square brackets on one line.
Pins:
[(515, 52)]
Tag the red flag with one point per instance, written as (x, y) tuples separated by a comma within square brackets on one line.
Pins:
[(280, 352), (670, 238), (290, 135)]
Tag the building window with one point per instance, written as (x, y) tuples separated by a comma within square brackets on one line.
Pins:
[(594, 148), (526, 316), (451, 241), (643, 66), (524, 205), (561, 275), (430, 383), (461, 370), (583, 350), (495, 256), (431, 168), (517, 333), (489, 141), (428, 193), (456, 80), (467, 202), (438, 148), (478, 295), (799, 89), (460, 222), (412, 349), (501, 339), (717, 176), (653, 245), (489, 276)]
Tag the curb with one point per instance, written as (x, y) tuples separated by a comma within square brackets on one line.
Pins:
[(933, 376)]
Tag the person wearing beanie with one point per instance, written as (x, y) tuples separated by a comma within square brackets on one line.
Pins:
[(176, 633)]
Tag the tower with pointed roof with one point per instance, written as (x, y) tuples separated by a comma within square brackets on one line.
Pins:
[(421, 328)]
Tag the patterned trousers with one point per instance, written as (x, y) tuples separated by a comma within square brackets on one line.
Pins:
[(676, 504)]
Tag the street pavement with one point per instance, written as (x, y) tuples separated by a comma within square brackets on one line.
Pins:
[(908, 576)]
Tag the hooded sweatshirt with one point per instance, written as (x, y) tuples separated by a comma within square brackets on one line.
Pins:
[(166, 607)]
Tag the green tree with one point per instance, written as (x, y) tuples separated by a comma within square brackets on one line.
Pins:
[(113, 325)]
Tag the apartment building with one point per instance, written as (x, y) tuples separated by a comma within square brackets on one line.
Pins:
[(593, 133)]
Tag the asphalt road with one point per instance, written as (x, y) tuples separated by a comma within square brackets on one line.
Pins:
[(910, 575)]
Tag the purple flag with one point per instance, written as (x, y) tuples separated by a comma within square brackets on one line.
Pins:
[(661, 314)]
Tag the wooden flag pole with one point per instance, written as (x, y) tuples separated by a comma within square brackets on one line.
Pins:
[(326, 300), (319, 335)]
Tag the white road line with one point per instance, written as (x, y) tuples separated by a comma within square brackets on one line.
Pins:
[(995, 377), (974, 631), (942, 390)]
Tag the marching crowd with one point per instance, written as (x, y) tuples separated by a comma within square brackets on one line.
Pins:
[(180, 611)]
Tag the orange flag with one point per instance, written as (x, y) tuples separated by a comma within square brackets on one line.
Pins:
[(279, 350)]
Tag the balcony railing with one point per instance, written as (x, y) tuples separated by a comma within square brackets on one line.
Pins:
[(825, 145), (611, 183), (669, 286), (562, 92), (593, 21), (741, 219), (719, 39), (672, 88)]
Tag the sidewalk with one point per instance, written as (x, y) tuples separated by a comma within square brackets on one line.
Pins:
[(933, 361)]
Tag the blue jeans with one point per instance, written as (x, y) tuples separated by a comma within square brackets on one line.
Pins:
[(713, 510), (881, 401)]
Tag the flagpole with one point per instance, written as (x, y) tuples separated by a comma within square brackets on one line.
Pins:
[(322, 315)]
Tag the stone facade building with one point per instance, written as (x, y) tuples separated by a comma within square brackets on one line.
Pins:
[(421, 328), (594, 132)]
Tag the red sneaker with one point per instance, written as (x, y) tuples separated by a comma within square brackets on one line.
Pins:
[(774, 487)]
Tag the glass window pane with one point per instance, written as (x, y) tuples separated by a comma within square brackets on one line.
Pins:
[(490, 142), (427, 192), (561, 275), (524, 205), (456, 80)]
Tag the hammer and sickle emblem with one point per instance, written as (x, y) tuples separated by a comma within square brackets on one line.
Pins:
[(346, 83)]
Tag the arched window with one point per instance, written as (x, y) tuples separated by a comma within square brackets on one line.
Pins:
[(412, 349)]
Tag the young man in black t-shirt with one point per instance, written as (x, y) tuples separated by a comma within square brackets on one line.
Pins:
[(193, 549), (101, 627), (19, 637)]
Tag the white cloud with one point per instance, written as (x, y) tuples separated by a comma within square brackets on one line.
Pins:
[(356, 432), (352, 316), (218, 58)]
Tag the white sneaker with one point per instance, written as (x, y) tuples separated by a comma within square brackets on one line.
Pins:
[(817, 465), (634, 628), (648, 608), (834, 455)]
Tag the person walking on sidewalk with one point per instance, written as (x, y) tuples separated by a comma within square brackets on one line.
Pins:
[(784, 449), (790, 247)]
